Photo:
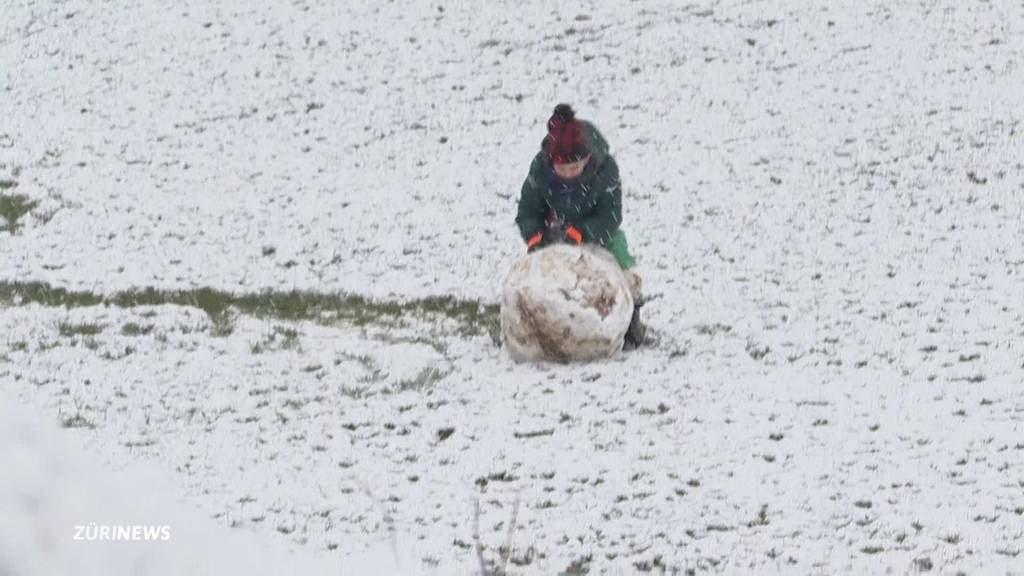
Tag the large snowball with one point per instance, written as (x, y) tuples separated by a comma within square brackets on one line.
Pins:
[(565, 303)]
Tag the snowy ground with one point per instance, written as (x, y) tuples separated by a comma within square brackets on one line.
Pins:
[(826, 203), (54, 502)]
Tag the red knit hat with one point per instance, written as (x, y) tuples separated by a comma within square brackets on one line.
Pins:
[(565, 141)]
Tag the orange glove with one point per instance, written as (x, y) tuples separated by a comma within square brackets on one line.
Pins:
[(573, 235), (534, 241)]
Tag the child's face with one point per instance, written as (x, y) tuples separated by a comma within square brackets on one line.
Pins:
[(572, 169)]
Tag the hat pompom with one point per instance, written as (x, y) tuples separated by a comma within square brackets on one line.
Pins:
[(564, 113), (560, 118)]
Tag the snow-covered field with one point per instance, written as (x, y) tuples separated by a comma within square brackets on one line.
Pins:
[(826, 200), (54, 501)]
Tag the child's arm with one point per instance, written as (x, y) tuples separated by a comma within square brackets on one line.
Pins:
[(599, 226), (530, 216)]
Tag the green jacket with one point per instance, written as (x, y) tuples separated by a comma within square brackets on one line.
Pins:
[(591, 203)]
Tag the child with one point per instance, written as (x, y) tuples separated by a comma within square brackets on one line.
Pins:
[(573, 194)]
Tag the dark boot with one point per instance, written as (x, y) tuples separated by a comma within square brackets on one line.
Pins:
[(636, 334)]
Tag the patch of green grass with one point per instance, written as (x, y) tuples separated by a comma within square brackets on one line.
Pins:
[(282, 338), (289, 337), (762, 517), (133, 329), (425, 379), (119, 354), (533, 433), (923, 564), (579, 567), (473, 317), (432, 340), (45, 295), (76, 421), (355, 392), (12, 208), (87, 329), (364, 360), (657, 564), (222, 325)]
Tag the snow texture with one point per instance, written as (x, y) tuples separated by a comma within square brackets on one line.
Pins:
[(826, 199), (54, 501), (565, 303)]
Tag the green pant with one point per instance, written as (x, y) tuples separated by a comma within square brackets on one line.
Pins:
[(618, 247)]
